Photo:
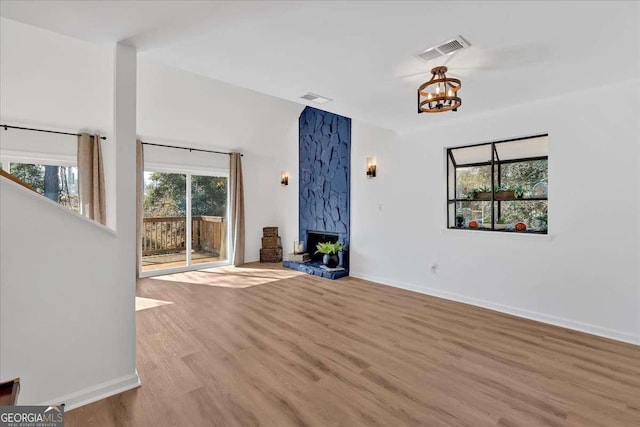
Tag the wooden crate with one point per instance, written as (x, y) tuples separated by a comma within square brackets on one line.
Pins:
[(271, 255), (271, 243), (270, 231)]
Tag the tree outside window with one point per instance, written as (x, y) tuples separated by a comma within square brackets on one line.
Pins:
[(57, 183)]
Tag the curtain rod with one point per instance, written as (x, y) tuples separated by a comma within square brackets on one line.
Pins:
[(190, 149), (7, 127)]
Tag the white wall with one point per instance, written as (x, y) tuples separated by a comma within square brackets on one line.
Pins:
[(180, 108), (50, 80), (66, 284), (584, 275), (637, 133), (55, 82), (64, 329), (123, 287)]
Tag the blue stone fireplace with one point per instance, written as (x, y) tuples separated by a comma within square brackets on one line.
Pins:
[(324, 186)]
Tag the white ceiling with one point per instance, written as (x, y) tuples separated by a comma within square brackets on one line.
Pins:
[(361, 54)]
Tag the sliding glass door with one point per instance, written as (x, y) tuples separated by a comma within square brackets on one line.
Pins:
[(164, 225), (208, 219), (184, 222)]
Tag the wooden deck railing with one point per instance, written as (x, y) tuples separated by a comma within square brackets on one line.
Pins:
[(164, 235)]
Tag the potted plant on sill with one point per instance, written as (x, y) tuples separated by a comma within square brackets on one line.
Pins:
[(509, 192), (330, 251), (505, 192), (518, 191), (480, 193)]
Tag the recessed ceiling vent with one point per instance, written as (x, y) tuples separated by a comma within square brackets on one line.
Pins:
[(446, 48), (316, 98)]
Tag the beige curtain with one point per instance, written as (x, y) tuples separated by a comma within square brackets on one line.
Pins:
[(236, 222), (91, 178), (139, 202)]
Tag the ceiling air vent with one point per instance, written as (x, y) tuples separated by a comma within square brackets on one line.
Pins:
[(316, 98), (446, 48), (429, 54)]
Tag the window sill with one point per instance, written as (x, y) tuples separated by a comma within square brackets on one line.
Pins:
[(499, 234)]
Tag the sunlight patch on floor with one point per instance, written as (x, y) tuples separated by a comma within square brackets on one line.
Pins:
[(231, 277), (144, 303)]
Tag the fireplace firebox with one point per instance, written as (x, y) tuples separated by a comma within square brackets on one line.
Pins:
[(315, 237)]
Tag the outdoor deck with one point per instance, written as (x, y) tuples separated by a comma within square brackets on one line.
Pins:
[(164, 241), (158, 262)]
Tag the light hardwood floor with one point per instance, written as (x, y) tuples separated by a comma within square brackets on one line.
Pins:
[(297, 350)]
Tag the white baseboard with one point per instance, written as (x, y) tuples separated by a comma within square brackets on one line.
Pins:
[(97, 392), (515, 311)]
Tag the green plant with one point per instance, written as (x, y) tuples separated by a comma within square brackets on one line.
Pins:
[(471, 194), (329, 248), (500, 221), (518, 190)]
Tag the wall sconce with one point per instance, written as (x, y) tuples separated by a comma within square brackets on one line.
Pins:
[(284, 178), (371, 167)]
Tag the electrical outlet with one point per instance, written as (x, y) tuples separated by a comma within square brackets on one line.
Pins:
[(434, 268)]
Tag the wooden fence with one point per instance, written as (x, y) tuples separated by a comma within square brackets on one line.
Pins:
[(164, 235)]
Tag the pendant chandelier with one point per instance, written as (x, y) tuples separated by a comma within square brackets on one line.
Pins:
[(439, 94)]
